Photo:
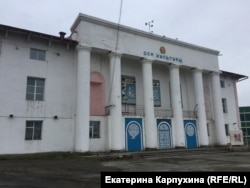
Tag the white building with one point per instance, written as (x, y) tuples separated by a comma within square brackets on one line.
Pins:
[(111, 87)]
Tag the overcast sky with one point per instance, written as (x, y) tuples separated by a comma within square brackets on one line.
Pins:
[(222, 25)]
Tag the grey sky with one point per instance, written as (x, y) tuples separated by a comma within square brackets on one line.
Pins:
[(221, 25)]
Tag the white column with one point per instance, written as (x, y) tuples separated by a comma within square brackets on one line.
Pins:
[(177, 106), (218, 111), (200, 102), (83, 97), (149, 119), (115, 100)]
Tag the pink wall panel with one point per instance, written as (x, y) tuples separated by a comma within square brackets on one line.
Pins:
[(97, 94)]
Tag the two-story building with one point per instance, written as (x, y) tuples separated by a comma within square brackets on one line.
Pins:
[(109, 87)]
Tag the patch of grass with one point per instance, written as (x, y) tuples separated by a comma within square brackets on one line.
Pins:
[(46, 156)]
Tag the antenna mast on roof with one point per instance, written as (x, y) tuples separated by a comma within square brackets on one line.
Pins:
[(150, 24)]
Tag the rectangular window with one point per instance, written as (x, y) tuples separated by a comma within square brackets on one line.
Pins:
[(37, 54), (222, 84), (33, 130), (227, 129), (128, 89), (157, 93), (94, 129), (35, 89), (181, 96), (224, 105)]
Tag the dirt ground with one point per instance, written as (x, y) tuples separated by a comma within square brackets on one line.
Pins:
[(53, 170), (77, 170)]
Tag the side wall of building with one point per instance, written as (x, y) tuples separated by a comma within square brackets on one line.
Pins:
[(231, 112), (58, 71)]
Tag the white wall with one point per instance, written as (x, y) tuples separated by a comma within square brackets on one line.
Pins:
[(59, 96), (103, 35), (228, 93), (100, 144)]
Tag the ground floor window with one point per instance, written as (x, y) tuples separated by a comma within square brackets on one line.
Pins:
[(208, 129), (227, 129), (33, 130), (94, 129)]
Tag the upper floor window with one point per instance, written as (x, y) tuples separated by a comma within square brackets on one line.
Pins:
[(35, 89), (157, 93), (37, 54), (222, 84), (224, 105), (128, 89)]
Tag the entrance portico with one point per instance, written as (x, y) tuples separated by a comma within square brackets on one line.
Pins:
[(147, 52)]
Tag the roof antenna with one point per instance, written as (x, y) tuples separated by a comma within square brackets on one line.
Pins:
[(150, 24)]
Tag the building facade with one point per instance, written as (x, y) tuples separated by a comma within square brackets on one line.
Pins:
[(109, 87), (245, 123)]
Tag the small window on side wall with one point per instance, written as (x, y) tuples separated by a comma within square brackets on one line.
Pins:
[(208, 129), (94, 129), (35, 89), (33, 130), (227, 129), (222, 84), (224, 105), (37, 54)]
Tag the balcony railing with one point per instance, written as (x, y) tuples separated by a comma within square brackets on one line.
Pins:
[(138, 110)]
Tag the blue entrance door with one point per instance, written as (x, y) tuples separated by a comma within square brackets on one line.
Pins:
[(133, 130), (191, 133), (164, 133)]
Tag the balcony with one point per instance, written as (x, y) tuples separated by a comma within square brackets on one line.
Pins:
[(138, 110)]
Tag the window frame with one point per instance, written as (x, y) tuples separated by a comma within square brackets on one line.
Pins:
[(222, 83), (36, 130), (35, 95), (227, 131), (37, 54), (224, 105), (94, 129), (128, 90), (157, 91)]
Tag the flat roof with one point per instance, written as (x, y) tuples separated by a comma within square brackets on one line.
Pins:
[(98, 21), (236, 76)]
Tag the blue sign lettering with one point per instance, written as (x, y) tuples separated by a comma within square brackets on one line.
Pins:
[(162, 57)]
